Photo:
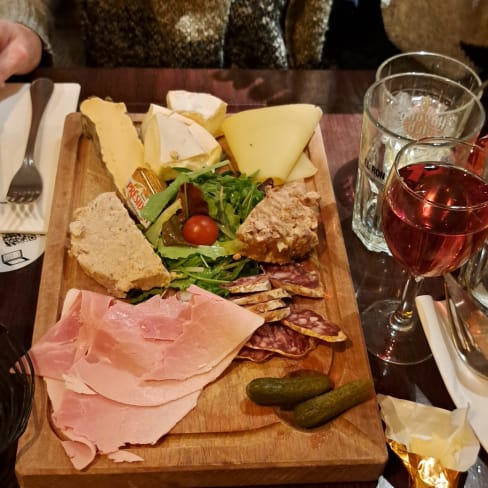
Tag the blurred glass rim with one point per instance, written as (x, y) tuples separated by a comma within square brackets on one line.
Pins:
[(373, 87), (429, 54), (440, 142)]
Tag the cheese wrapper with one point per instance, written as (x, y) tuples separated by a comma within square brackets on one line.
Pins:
[(434, 444), (141, 186)]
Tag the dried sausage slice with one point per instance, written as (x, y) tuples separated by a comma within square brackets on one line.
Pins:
[(281, 340), (249, 284), (255, 355), (310, 323), (297, 278)]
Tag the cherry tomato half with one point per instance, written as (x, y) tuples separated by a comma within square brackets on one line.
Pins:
[(201, 230)]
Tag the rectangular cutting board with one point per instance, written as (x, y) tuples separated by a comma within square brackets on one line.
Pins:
[(226, 440)]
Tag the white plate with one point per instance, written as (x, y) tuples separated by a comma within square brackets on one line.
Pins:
[(466, 388), (15, 115)]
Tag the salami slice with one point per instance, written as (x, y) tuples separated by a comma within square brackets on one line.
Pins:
[(266, 306), (297, 278), (249, 284), (259, 297), (282, 340), (255, 355), (310, 323)]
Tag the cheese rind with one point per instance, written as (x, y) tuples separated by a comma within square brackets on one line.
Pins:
[(204, 108), (174, 141), (269, 140), (115, 137)]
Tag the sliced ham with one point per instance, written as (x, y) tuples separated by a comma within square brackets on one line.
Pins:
[(120, 374), (110, 425), (124, 387), (193, 353)]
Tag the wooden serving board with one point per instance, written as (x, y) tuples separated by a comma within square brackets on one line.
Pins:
[(226, 440)]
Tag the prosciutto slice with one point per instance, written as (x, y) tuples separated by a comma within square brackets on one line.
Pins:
[(121, 374)]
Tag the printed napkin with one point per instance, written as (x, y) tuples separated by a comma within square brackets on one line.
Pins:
[(15, 116), (467, 389)]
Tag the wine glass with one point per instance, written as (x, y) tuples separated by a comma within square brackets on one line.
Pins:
[(435, 216)]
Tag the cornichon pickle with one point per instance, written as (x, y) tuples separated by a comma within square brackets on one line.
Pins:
[(320, 409), (288, 390)]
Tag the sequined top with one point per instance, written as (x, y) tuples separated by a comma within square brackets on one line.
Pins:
[(241, 33), (178, 33)]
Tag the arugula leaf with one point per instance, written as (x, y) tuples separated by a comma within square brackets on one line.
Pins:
[(157, 202), (230, 199), (219, 249), (209, 274)]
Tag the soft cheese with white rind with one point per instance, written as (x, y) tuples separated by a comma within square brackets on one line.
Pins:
[(204, 108), (115, 137), (172, 140), (269, 140)]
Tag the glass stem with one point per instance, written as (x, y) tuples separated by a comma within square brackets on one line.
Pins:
[(402, 317)]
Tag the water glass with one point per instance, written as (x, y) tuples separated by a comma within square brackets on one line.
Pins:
[(399, 109), (433, 63)]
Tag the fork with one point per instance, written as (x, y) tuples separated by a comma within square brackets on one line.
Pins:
[(456, 302), (26, 185)]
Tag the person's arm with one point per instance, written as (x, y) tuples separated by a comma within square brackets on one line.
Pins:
[(24, 33)]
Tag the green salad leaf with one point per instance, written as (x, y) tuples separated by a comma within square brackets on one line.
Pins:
[(230, 199), (209, 274)]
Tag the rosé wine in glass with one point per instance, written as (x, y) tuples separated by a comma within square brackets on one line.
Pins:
[(434, 217)]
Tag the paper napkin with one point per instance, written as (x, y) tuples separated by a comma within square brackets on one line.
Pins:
[(15, 116), (467, 389)]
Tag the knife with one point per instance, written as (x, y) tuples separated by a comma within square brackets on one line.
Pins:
[(469, 312)]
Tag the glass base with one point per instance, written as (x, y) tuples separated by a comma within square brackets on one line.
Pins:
[(393, 344)]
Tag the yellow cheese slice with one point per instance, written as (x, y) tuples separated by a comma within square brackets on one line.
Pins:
[(115, 136), (174, 141), (269, 140), (204, 108), (304, 168)]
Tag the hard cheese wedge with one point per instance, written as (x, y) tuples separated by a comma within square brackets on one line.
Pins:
[(303, 168), (207, 110), (269, 141), (115, 137), (172, 140)]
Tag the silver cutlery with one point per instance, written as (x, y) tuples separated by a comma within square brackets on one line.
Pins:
[(462, 311), (26, 185)]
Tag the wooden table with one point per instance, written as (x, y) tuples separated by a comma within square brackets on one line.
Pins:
[(339, 94)]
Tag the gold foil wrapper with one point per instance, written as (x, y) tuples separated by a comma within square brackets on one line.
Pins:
[(434, 444), (425, 472), (142, 184)]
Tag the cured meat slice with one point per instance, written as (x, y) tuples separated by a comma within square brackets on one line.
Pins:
[(95, 357), (266, 306), (311, 323), (249, 284), (124, 387), (255, 355), (55, 353), (299, 278), (275, 315), (282, 340), (260, 297), (124, 457), (110, 425), (217, 326)]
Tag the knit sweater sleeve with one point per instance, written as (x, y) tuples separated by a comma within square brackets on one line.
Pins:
[(35, 14)]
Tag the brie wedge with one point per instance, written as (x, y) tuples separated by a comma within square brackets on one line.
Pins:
[(207, 110), (174, 141)]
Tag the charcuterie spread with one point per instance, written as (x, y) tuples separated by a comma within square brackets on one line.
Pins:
[(205, 256)]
